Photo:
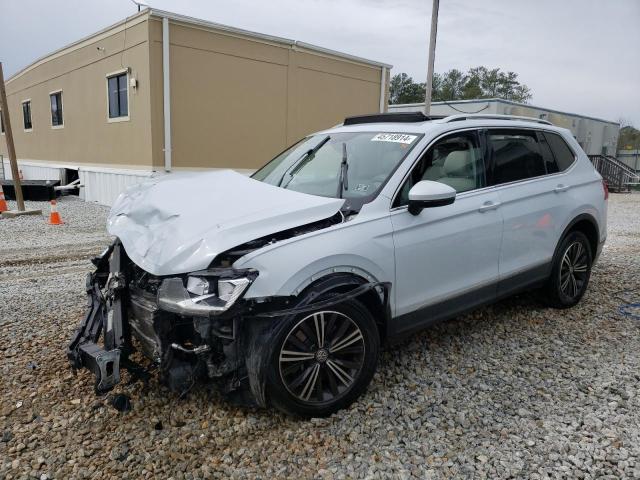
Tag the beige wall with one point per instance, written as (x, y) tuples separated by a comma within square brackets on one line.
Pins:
[(238, 101), (87, 136), (327, 90)]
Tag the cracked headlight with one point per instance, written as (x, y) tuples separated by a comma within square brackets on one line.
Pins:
[(198, 285), (203, 295)]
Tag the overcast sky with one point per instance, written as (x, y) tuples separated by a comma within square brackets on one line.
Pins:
[(581, 56)]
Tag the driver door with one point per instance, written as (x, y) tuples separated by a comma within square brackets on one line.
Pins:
[(446, 257)]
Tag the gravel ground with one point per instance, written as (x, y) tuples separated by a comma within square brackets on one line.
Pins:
[(512, 390)]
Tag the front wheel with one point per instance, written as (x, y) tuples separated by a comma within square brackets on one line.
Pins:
[(322, 361), (570, 272)]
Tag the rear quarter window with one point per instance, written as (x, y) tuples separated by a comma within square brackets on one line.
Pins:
[(563, 154)]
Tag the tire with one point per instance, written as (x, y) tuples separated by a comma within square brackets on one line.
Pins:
[(570, 272), (337, 350)]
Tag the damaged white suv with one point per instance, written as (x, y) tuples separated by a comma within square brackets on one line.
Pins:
[(282, 287)]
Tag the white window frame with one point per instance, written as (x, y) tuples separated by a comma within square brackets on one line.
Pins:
[(26, 100), (128, 116), (56, 127)]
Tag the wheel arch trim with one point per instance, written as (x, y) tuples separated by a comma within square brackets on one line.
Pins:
[(570, 226), (318, 277)]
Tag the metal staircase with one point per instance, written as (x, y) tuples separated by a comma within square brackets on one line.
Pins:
[(618, 175)]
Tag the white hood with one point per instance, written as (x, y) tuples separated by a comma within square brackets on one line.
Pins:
[(178, 223)]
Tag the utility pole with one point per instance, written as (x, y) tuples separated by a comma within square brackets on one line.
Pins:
[(432, 56), (15, 174)]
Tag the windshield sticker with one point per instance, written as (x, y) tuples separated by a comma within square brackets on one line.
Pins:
[(395, 138)]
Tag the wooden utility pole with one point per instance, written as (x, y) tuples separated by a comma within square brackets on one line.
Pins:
[(432, 56), (8, 135)]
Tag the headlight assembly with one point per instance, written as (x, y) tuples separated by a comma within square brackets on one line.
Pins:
[(206, 293)]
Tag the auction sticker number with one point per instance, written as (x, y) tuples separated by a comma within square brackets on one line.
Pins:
[(395, 138)]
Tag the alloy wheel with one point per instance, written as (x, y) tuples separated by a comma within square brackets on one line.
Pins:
[(321, 357), (574, 270)]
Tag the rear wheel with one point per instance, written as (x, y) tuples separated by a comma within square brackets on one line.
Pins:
[(571, 271), (322, 361)]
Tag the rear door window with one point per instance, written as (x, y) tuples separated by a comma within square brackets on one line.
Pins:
[(516, 155), (561, 151)]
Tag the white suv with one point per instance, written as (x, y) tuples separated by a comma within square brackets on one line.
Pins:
[(283, 286)]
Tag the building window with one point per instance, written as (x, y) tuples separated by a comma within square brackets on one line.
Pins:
[(118, 96), (56, 109), (26, 114), (1, 122)]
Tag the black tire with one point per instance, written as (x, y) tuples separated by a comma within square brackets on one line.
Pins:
[(566, 285), (342, 374)]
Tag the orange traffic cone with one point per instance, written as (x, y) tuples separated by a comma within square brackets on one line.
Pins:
[(54, 217), (3, 202)]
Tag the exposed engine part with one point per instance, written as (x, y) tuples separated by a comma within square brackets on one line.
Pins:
[(195, 350)]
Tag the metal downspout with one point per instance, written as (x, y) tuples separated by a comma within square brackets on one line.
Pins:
[(383, 89), (166, 94)]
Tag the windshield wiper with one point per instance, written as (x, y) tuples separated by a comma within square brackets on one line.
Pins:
[(305, 158), (343, 184)]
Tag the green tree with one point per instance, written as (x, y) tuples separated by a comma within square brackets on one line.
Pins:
[(402, 89), (473, 84), (476, 83), (629, 138), (453, 83)]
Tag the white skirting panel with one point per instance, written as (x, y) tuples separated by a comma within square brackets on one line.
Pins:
[(34, 172), (104, 187), (101, 185)]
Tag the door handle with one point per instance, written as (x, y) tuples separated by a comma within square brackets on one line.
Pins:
[(489, 205), (561, 188)]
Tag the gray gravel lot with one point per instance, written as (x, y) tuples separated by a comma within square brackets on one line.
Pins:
[(511, 390)]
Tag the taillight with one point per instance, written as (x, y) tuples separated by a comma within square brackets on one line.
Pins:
[(606, 189)]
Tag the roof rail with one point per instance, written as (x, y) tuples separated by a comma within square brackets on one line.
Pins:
[(395, 117), (480, 116)]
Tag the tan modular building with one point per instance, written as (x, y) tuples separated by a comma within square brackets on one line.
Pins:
[(161, 92), (595, 135)]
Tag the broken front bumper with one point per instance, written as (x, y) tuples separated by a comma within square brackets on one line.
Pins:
[(187, 336), (103, 313), (185, 339)]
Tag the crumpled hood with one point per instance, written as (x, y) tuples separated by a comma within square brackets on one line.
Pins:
[(178, 223)]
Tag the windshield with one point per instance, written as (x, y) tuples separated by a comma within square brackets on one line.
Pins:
[(353, 166)]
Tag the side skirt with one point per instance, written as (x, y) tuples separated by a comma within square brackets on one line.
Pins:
[(404, 325)]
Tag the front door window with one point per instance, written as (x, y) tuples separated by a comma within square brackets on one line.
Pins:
[(455, 160)]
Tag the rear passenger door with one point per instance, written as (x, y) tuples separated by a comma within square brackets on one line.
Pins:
[(533, 197)]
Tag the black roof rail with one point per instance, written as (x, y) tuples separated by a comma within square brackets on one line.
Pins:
[(394, 117)]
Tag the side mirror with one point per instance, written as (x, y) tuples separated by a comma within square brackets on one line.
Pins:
[(428, 194)]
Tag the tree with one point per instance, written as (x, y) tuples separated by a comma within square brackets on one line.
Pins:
[(629, 138), (476, 83), (452, 86), (402, 89)]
